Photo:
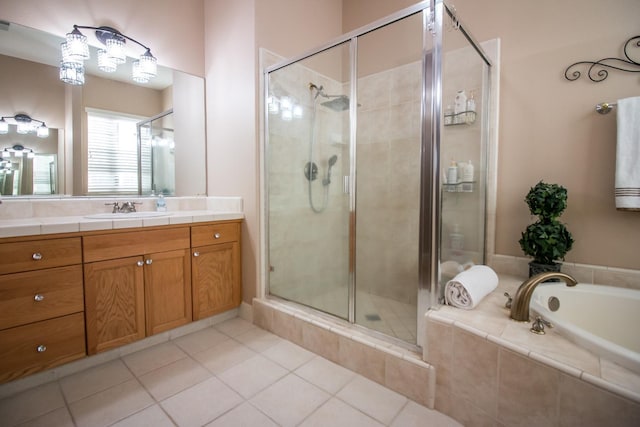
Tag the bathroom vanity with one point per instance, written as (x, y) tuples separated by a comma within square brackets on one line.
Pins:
[(64, 296)]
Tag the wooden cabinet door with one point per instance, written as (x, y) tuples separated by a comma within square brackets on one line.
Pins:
[(216, 279), (114, 303), (167, 281)]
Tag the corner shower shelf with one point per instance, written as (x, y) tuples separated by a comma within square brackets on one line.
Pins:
[(463, 118), (460, 187)]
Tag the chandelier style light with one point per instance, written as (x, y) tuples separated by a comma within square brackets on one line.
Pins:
[(24, 124), (75, 50)]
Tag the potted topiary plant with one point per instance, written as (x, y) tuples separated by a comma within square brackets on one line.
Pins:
[(547, 240)]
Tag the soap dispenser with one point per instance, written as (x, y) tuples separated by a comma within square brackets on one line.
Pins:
[(161, 204)]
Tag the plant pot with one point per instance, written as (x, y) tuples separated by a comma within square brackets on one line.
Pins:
[(537, 268)]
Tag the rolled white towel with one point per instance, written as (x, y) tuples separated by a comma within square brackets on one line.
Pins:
[(468, 288)]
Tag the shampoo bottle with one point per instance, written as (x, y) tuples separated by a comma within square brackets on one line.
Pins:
[(460, 106), (468, 172), (452, 173)]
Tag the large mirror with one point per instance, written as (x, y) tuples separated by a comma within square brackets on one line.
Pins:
[(110, 136)]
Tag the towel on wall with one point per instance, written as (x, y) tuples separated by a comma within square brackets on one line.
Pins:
[(468, 288), (627, 188)]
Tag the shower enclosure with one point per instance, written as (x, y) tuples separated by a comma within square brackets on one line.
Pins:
[(156, 156), (360, 223)]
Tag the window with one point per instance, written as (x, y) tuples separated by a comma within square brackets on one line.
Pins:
[(112, 147)]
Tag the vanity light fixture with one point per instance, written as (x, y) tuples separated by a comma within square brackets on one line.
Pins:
[(24, 124), (75, 50)]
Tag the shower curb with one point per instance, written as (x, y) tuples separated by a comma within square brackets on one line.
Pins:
[(394, 367)]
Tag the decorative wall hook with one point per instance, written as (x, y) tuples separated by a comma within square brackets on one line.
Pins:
[(597, 70)]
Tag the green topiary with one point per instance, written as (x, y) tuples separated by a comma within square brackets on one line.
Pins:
[(546, 240)]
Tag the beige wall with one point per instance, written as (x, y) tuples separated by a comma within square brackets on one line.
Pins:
[(548, 127)]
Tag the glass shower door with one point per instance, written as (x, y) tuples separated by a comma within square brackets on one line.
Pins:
[(388, 177), (307, 161)]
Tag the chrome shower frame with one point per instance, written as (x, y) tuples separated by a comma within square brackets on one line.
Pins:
[(433, 14)]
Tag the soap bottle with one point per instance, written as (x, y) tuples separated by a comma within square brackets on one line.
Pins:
[(456, 238), (161, 204), (471, 109), (468, 172), (452, 173), (460, 106)]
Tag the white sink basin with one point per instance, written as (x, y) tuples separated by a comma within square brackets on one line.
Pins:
[(130, 215)]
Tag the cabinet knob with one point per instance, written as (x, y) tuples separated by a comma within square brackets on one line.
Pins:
[(196, 254), (140, 263), (149, 262), (41, 348), (38, 297), (36, 256), (216, 236)]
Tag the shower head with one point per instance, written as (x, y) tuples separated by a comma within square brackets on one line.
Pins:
[(339, 103), (332, 160)]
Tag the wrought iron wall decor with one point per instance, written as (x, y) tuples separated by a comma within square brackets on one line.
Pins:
[(597, 70)]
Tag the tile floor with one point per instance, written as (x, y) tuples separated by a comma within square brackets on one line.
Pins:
[(230, 374)]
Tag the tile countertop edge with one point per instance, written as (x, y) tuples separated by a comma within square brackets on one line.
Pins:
[(67, 224)]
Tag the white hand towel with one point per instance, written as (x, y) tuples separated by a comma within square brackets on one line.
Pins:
[(628, 155), (468, 288)]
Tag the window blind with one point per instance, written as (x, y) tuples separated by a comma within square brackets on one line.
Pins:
[(112, 154)]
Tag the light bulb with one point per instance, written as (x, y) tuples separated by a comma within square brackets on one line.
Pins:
[(115, 50), (42, 131), (137, 74), (148, 64), (105, 62)]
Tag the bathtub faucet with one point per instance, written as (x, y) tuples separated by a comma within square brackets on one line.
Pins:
[(520, 304)]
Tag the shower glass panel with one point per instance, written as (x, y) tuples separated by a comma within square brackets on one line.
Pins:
[(388, 186), (157, 155), (463, 153), (308, 158)]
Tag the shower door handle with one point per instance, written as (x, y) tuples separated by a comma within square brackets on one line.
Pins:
[(345, 184)]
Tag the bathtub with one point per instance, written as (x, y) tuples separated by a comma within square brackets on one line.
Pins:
[(602, 319)]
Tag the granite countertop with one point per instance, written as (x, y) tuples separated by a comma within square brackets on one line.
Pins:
[(69, 224)]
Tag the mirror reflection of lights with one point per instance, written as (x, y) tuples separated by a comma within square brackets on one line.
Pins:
[(286, 106), (18, 151), (24, 124)]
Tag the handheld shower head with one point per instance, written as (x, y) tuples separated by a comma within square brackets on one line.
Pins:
[(332, 161)]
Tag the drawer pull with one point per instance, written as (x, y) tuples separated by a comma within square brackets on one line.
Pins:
[(41, 348), (196, 254), (38, 297), (149, 262), (140, 263), (36, 256), (217, 236)]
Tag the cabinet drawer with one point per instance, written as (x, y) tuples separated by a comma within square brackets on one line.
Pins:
[(42, 345), (39, 254), (122, 245), (205, 235), (39, 295)]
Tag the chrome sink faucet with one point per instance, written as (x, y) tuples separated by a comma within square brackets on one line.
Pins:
[(127, 207), (522, 298)]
